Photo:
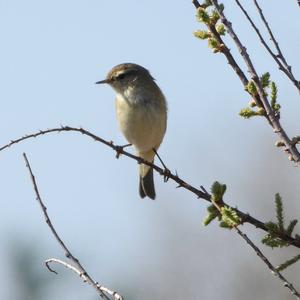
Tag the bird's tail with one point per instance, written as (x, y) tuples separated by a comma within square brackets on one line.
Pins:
[(146, 176)]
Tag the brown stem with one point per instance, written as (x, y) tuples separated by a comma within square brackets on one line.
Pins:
[(245, 217), (286, 283), (279, 58), (291, 148), (68, 253)]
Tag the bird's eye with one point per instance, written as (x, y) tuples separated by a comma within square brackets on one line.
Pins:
[(121, 76)]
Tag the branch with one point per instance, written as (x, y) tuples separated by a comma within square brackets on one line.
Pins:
[(200, 193), (262, 100), (81, 270), (81, 275), (279, 58), (286, 283), (273, 269)]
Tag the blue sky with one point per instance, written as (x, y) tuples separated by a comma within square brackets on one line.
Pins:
[(51, 54)]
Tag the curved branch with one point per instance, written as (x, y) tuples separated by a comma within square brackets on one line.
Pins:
[(202, 194), (82, 272), (81, 275)]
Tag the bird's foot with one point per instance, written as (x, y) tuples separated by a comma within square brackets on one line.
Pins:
[(166, 172)]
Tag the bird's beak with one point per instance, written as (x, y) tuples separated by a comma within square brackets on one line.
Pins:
[(102, 81)]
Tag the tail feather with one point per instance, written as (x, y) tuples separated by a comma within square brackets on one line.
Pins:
[(147, 185), (146, 176)]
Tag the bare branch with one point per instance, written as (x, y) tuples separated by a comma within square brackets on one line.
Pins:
[(291, 149), (279, 58), (83, 273), (200, 193), (286, 283), (272, 37), (274, 270)]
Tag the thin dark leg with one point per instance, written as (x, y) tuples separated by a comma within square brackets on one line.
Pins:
[(166, 170)]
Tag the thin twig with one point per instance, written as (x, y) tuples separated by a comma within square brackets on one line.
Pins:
[(272, 37), (286, 283), (68, 266), (279, 58), (81, 275), (274, 271), (68, 254), (273, 120), (197, 5), (245, 217)]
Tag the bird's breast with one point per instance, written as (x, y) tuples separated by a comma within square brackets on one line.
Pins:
[(142, 121)]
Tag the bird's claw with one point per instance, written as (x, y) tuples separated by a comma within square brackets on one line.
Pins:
[(166, 174)]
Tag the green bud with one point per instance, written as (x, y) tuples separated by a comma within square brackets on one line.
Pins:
[(251, 88), (273, 242), (212, 214), (212, 209), (208, 219), (221, 7), (202, 15), (224, 225), (218, 190), (265, 80), (202, 34), (214, 17), (230, 216), (280, 144), (221, 29), (213, 43), (273, 91), (288, 263), (291, 227), (247, 113), (276, 106), (272, 227)]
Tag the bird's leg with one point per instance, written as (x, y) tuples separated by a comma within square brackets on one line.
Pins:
[(167, 172), (119, 149)]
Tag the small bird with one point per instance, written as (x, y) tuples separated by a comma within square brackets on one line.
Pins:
[(141, 110)]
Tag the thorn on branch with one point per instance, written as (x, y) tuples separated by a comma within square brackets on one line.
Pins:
[(204, 190), (120, 149)]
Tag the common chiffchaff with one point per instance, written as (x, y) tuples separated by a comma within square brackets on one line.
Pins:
[(141, 113)]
